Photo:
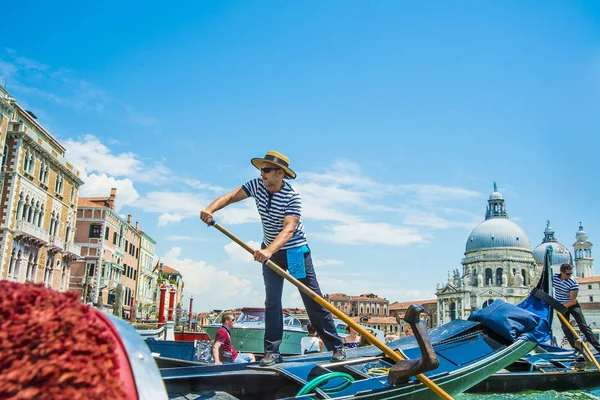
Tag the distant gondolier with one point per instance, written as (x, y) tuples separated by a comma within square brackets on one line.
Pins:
[(284, 243), (566, 290)]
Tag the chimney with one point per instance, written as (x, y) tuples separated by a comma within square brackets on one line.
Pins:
[(129, 219), (112, 199), (137, 226)]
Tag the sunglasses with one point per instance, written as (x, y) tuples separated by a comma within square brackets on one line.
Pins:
[(267, 170), (568, 273)]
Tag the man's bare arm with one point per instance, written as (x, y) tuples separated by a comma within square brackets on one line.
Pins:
[(234, 196), (572, 298), (289, 226), (216, 353)]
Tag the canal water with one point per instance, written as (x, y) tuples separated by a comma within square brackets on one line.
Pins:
[(548, 395)]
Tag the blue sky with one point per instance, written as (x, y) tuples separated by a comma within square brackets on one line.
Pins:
[(397, 117)]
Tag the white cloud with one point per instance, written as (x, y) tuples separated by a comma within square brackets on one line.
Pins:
[(236, 252), (139, 118), (196, 184), (438, 193), (166, 219), (100, 185), (326, 263), (182, 238), (429, 219), (91, 155), (182, 203), (365, 232), (212, 287)]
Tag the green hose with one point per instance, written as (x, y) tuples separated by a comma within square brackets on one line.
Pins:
[(323, 378)]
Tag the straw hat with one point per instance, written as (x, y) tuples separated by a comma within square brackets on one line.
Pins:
[(278, 159)]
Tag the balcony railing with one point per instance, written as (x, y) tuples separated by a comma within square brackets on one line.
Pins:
[(103, 283), (73, 248), (56, 242), (24, 228)]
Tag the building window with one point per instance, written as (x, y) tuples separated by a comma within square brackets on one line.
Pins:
[(72, 197), (63, 278), (59, 184), (96, 231), (488, 276), (590, 287), (453, 310), (591, 299), (43, 175), (106, 233), (13, 267), (5, 156), (499, 276), (114, 237), (29, 161), (487, 303)]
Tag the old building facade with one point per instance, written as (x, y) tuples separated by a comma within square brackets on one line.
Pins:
[(108, 271), (147, 279), (38, 197), (498, 264), (367, 304)]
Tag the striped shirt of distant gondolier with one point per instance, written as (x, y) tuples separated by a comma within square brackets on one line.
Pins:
[(273, 207), (563, 289)]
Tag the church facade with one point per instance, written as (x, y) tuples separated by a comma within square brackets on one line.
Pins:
[(499, 263)]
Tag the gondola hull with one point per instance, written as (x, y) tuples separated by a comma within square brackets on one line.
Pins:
[(468, 354)]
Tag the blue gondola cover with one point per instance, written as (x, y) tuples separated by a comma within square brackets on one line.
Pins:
[(507, 320)]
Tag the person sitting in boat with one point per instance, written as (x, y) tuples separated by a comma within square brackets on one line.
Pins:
[(352, 340), (223, 350), (311, 343), (566, 290)]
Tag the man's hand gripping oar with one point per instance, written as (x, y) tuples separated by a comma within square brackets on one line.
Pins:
[(396, 356)]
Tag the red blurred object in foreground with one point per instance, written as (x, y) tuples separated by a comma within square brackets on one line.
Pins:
[(52, 346)]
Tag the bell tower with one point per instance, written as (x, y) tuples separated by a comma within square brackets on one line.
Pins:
[(584, 263)]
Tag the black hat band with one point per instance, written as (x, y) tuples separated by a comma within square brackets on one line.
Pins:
[(276, 160)]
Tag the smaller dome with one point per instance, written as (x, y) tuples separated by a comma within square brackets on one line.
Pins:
[(560, 254), (496, 195), (581, 235)]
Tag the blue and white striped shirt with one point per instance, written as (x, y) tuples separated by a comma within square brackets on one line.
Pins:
[(273, 207), (563, 289)]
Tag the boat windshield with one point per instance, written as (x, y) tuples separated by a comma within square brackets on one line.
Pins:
[(259, 316), (252, 316)]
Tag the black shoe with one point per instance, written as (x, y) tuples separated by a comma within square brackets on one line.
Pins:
[(271, 359), (339, 355)]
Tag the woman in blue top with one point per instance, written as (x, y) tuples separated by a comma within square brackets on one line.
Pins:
[(352, 340)]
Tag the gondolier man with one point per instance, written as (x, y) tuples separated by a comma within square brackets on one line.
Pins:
[(566, 290), (285, 243)]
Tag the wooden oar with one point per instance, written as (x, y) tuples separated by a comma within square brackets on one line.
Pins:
[(584, 347), (363, 332)]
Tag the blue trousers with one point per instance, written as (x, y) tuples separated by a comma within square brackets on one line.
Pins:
[(577, 313), (319, 316)]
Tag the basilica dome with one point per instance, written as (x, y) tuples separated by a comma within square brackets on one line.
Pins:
[(560, 254), (497, 232)]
